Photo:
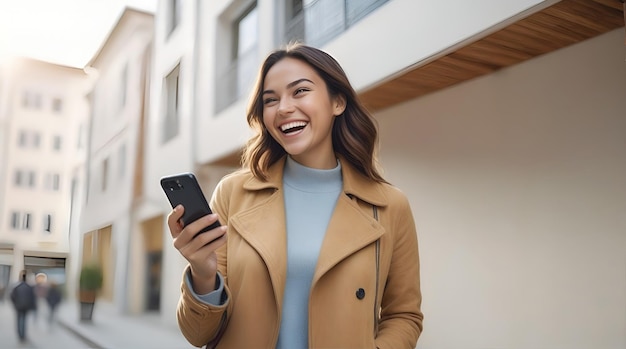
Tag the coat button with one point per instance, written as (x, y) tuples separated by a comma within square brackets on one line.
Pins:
[(360, 293)]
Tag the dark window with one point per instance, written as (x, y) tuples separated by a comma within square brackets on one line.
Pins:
[(57, 105), (47, 223)]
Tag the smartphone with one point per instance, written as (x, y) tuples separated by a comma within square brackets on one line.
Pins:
[(184, 189)]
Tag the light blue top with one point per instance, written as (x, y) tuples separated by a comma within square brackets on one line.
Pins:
[(310, 198)]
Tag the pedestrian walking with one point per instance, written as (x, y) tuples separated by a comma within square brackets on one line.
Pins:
[(23, 299), (41, 289), (53, 297)]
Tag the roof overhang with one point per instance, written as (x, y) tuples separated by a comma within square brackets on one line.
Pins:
[(560, 25)]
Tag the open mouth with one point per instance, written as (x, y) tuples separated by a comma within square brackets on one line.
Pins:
[(293, 127)]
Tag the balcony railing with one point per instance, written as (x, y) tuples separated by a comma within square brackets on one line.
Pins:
[(322, 20)]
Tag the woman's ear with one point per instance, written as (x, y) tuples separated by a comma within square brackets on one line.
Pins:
[(339, 105)]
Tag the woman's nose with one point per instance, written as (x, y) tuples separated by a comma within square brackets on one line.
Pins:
[(285, 106)]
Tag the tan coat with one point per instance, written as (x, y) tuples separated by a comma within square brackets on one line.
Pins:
[(365, 291)]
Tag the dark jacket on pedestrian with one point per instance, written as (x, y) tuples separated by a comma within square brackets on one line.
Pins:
[(23, 297), (53, 297)]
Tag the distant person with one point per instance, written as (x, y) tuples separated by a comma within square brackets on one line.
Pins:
[(53, 297), (41, 289), (23, 298)]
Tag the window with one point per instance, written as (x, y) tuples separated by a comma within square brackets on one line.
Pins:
[(172, 94), (18, 179), (47, 223), (56, 143), (31, 179), (24, 178), (36, 139), (15, 220), (246, 30), (28, 139), (57, 105), (31, 100), (318, 21), (174, 15), (240, 64), (294, 21), (105, 173), (22, 139), (52, 181), (21, 221), (56, 181), (26, 221)]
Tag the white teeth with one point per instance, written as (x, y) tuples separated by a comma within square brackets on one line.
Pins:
[(290, 125)]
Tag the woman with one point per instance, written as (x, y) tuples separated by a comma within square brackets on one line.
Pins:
[(322, 252)]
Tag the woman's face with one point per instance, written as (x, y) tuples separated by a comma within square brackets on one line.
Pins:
[(299, 112)]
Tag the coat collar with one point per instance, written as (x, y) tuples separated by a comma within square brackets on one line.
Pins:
[(354, 183), (348, 231)]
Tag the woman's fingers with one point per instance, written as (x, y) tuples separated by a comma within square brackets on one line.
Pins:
[(174, 222), (189, 234)]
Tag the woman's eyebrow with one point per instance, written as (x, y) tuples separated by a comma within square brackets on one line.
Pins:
[(290, 85), (294, 83)]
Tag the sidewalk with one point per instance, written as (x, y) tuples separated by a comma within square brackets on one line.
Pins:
[(111, 330)]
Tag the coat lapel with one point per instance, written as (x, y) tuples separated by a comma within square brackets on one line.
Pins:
[(349, 230), (263, 226)]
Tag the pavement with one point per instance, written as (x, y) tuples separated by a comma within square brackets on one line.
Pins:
[(111, 330), (108, 330)]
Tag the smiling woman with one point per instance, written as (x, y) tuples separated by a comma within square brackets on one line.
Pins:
[(321, 251), (66, 32)]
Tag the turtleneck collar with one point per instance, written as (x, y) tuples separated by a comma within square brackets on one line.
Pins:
[(310, 179)]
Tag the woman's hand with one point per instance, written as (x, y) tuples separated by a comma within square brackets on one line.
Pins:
[(199, 250)]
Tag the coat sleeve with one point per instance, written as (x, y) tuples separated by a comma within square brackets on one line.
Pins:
[(200, 322), (401, 316)]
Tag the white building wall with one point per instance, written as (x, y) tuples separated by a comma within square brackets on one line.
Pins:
[(114, 127), (176, 155), (50, 82), (114, 136), (518, 185)]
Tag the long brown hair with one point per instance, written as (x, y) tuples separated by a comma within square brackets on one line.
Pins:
[(354, 133)]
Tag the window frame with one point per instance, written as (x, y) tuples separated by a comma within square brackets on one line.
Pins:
[(171, 115)]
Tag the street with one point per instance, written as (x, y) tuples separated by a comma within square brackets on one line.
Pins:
[(39, 333)]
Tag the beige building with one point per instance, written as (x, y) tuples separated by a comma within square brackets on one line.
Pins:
[(503, 122), (43, 116), (114, 170)]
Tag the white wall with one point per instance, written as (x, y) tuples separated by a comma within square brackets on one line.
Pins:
[(176, 155), (518, 185)]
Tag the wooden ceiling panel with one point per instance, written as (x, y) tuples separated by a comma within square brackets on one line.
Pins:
[(558, 26)]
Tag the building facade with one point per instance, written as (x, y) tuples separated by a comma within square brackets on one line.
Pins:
[(114, 170), (43, 113), (504, 130)]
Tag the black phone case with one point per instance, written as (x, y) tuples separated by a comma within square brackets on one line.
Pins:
[(184, 189)]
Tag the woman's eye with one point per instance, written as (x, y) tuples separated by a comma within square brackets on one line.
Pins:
[(300, 90), (269, 100)]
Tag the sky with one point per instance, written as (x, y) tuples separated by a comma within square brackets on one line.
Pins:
[(66, 32)]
